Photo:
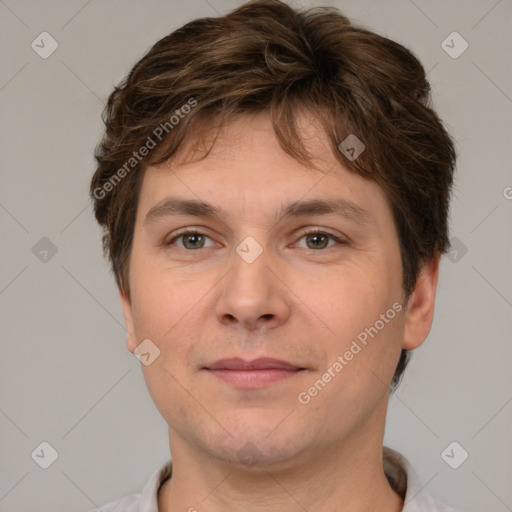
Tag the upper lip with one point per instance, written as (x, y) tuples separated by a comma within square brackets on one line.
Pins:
[(262, 363)]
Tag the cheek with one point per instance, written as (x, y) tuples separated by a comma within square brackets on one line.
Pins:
[(349, 300), (363, 313), (162, 299), (163, 313)]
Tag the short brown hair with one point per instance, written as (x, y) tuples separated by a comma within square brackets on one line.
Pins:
[(267, 57)]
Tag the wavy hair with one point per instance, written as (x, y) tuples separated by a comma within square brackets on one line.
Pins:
[(266, 56)]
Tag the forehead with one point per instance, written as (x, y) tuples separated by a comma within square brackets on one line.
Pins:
[(246, 172)]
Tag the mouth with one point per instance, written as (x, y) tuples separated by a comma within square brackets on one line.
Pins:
[(253, 374)]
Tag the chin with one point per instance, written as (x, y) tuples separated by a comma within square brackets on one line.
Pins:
[(262, 444)]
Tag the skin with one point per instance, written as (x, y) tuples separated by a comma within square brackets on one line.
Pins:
[(303, 300)]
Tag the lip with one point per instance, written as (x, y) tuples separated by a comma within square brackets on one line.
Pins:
[(253, 374), (262, 363)]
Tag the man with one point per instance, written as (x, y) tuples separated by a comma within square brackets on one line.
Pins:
[(274, 189)]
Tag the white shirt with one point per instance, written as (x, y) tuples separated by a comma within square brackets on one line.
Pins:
[(397, 468)]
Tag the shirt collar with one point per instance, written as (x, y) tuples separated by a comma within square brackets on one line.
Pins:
[(149, 496), (397, 468), (403, 479)]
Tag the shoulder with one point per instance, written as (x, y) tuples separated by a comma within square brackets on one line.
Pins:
[(126, 504), (404, 480), (147, 500)]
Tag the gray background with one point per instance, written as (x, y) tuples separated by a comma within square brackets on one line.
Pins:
[(66, 376)]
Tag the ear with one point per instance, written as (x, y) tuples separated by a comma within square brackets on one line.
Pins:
[(420, 305), (126, 305)]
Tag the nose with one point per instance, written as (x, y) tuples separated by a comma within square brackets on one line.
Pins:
[(252, 295)]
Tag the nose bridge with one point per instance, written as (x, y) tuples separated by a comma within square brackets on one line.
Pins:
[(249, 273), (251, 293)]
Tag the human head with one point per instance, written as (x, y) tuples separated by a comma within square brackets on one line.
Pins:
[(267, 57)]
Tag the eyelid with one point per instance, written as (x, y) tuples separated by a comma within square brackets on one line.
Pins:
[(339, 239), (323, 231), (185, 231)]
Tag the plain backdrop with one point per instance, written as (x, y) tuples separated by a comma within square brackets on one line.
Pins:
[(66, 377)]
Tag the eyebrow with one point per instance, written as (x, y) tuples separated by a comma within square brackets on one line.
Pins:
[(195, 208)]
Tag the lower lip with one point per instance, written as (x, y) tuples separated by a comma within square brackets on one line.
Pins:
[(254, 378)]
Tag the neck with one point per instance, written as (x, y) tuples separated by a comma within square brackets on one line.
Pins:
[(345, 480)]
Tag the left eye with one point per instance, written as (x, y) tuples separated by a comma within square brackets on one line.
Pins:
[(319, 240), (192, 240)]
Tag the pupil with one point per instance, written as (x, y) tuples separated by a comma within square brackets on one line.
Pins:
[(193, 237), (316, 237)]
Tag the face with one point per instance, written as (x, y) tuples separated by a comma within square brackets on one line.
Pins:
[(268, 270)]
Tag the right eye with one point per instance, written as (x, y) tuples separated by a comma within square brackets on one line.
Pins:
[(191, 240)]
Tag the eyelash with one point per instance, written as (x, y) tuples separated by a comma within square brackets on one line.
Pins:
[(338, 240)]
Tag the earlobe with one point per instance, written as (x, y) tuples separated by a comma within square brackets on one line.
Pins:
[(131, 340), (420, 305)]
